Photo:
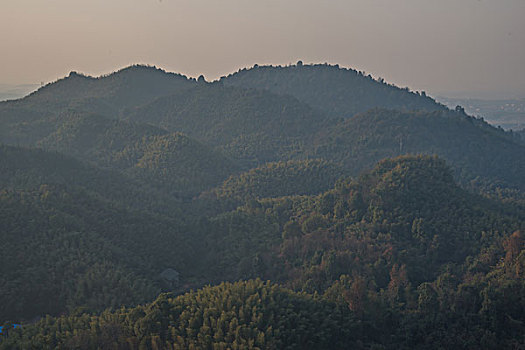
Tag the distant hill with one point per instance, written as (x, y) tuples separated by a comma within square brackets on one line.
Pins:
[(169, 159), (27, 120), (131, 86), (339, 92), (473, 147), (251, 125)]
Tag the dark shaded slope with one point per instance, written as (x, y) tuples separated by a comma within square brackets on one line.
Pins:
[(179, 163), (75, 236), (306, 177), (108, 95), (168, 159), (250, 125), (29, 169), (52, 260), (65, 248), (337, 91), (474, 148)]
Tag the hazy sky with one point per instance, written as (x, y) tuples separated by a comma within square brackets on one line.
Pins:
[(472, 46)]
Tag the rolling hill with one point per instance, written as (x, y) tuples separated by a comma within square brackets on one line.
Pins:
[(382, 219), (474, 148), (339, 92), (250, 125), (109, 94)]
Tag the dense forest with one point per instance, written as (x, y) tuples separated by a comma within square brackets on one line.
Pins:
[(298, 207)]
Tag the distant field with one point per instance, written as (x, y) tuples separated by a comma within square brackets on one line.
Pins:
[(10, 92), (509, 114)]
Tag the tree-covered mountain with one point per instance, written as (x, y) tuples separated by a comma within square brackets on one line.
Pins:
[(77, 236), (394, 228), (250, 125), (280, 179), (109, 94), (244, 315), (178, 163), (172, 160), (253, 126), (474, 148), (402, 249), (339, 92)]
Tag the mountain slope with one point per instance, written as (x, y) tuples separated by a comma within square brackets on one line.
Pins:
[(339, 92), (402, 249), (180, 164), (474, 148), (280, 179), (168, 159), (248, 314), (75, 236), (28, 169), (108, 95), (250, 125)]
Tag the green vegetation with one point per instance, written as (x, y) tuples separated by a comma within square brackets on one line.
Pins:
[(252, 314), (127, 88), (281, 179), (339, 92), (141, 210), (253, 126), (474, 148), (180, 164)]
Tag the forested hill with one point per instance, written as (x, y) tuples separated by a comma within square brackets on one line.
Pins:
[(131, 86), (339, 92), (29, 169), (402, 249), (280, 179), (254, 126), (244, 315), (474, 148), (69, 231), (170, 160), (399, 227)]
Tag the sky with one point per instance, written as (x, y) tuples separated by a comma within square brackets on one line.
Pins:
[(459, 48)]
